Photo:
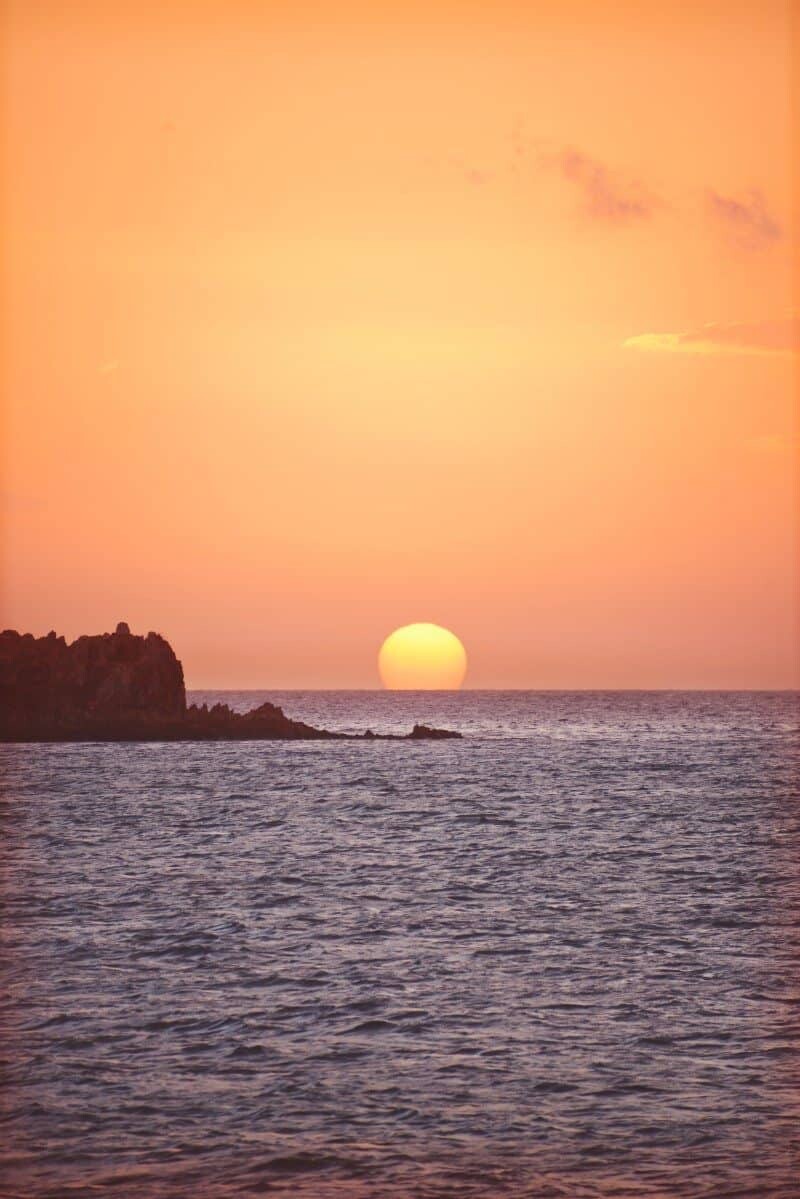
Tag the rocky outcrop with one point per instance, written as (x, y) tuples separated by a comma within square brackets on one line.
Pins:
[(267, 722), (120, 687), (116, 678), (424, 732)]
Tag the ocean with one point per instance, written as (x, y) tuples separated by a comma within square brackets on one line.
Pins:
[(558, 958)]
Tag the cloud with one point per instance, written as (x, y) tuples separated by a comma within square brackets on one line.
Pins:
[(746, 221), (757, 337), (606, 196)]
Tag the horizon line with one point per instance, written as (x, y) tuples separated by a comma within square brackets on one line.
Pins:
[(520, 690)]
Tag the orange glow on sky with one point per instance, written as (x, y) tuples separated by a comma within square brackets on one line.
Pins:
[(322, 319)]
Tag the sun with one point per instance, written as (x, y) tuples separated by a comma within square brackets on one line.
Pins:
[(422, 657)]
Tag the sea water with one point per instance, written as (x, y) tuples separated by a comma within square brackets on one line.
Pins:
[(557, 958)]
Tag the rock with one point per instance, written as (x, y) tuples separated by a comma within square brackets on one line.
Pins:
[(121, 687), (47, 685), (265, 723), (423, 732)]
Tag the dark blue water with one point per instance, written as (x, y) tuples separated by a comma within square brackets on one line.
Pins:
[(559, 958)]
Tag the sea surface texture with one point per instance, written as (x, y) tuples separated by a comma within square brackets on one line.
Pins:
[(558, 958)]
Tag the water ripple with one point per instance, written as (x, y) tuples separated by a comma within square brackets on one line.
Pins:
[(557, 959)]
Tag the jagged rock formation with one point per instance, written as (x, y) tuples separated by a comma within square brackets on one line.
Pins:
[(120, 687), (115, 677)]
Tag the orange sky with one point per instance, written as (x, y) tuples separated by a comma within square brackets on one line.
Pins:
[(315, 323)]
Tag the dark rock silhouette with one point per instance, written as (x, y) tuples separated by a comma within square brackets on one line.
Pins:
[(115, 677), (424, 732), (120, 687)]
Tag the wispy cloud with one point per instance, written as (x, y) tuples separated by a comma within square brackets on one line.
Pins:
[(606, 195), (756, 337), (747, 220)]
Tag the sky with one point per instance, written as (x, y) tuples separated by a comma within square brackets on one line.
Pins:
[(323, 319)]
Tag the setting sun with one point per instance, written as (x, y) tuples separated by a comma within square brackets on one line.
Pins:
[(422, 657)]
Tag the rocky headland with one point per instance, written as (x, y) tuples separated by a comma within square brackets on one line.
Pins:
[(121, 687)]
